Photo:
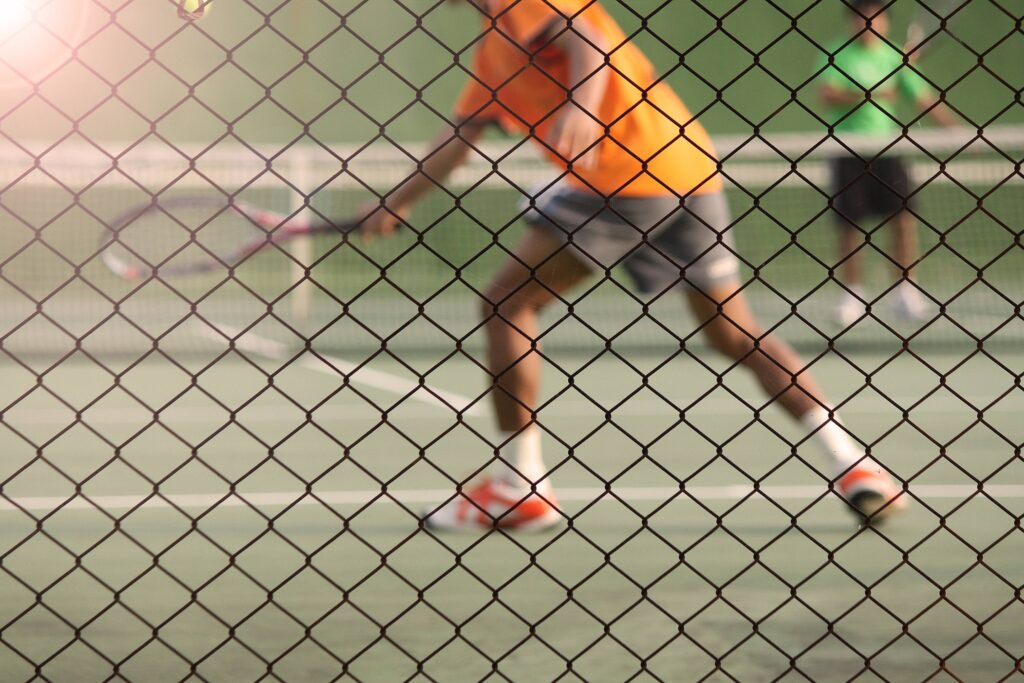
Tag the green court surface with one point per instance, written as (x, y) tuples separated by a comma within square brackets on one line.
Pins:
[(673, 567)]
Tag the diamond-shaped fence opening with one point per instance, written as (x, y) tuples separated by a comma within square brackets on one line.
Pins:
[(421, 340)]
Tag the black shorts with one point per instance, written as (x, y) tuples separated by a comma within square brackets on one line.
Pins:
[(863, 188), (659, 244)]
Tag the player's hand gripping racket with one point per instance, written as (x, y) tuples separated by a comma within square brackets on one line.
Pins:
[(186, 235), (930, 26)]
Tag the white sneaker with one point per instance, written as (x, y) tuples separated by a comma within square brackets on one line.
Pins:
[(909, 304), (851, 307)]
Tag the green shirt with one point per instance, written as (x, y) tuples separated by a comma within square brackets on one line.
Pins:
[(877, 68)]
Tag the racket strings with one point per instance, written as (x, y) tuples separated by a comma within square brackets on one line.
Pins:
[(186, 238)]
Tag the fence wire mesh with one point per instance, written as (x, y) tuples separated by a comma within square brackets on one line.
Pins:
[(250, 434)]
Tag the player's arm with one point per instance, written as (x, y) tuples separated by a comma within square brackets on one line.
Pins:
[(448, 151), (832, 95), (917, 90), (834, 88), (577, 127), (937, 110)]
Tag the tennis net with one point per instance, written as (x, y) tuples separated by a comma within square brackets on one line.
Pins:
[(419, 290)]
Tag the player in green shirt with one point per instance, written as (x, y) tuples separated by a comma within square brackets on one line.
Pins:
[(862, 89)]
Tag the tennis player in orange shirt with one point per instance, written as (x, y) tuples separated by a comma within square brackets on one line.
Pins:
[(639, 189)]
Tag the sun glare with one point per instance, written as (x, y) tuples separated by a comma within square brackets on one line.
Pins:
[(14, 16), (36, 38)]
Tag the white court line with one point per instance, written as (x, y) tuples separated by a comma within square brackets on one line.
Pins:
[(285, 498), (333, 365), (565, 408)]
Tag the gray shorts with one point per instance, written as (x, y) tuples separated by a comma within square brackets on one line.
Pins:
[(662, 242)]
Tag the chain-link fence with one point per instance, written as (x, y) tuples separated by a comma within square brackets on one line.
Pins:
[(511, 339)]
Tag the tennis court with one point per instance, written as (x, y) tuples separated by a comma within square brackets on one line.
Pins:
[(682, 561), (220, 476)]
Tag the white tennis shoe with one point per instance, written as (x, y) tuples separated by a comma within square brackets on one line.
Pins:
[(910, 304), (850, 308)]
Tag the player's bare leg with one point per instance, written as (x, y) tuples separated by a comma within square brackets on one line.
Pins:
[(909, 303), (735, 333), (851, 255), (732, 330), (541, 269)]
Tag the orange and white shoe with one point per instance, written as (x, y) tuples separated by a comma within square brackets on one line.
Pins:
[(873, 495), (493, 504)]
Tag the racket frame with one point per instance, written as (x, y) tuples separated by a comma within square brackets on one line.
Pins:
[(926, 26), (278, 229)]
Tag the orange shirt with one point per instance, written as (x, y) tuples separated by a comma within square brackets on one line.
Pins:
[(654, 145)]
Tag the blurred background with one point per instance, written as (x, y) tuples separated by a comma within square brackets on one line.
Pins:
[(327, 105), (277, 73)]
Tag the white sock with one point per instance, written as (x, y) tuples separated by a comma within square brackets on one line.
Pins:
[(907, 290), (523, 454), (836, 445), (854, 293)]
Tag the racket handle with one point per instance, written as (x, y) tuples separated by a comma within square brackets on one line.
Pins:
[(342, 226)]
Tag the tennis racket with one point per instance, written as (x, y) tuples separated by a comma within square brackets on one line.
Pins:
[(930, 26), (186, 235)]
